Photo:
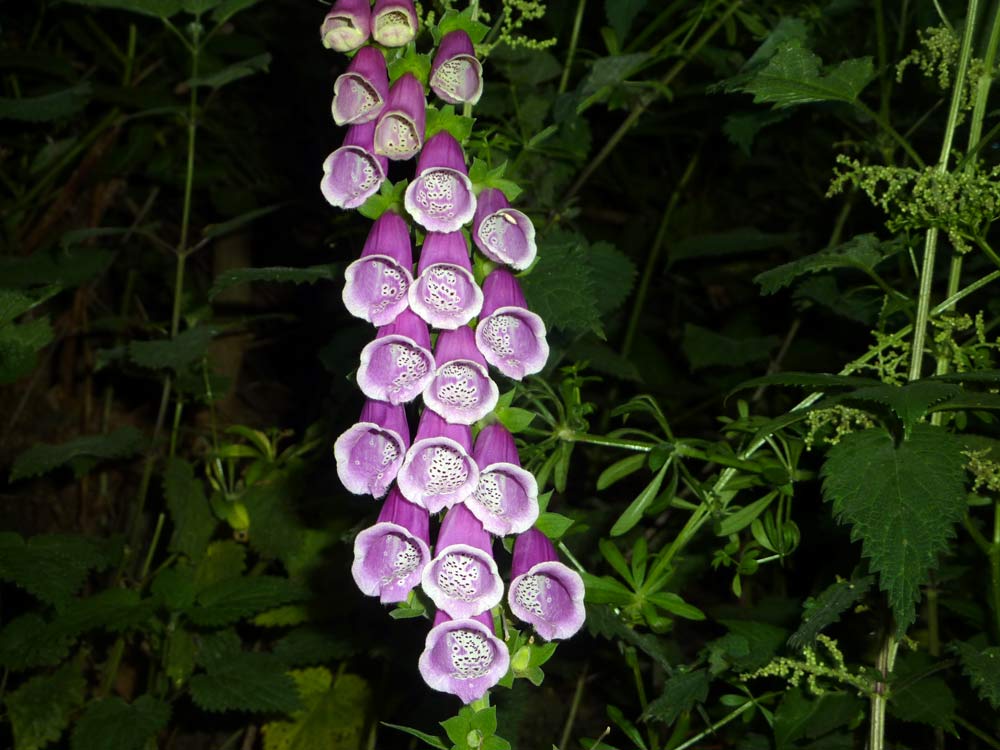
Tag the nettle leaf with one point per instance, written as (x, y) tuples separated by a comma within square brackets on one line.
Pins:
[(29, 641), (222, 561), (604, 622), (67, 267), (247, 681), (236, 598), (47, 107), (276, 530), (560, 287), (81, 453), (680, 693), (861, 253), (827, 608), (927, 701), (233, 72), (190, 512), (982, 667), (621, 14), (53, 567), (705, 348), (748, 646), (113, 724), (311, 645), (909, 402), (800, 716), (39, 710), (811, 380), (447, 119), (333, 715), (901, 501), (277, 274), (155, 8), (176, 354), (19, 347), (742, 129), (115, 610), (15, 303), (606, 72), (612, 273)]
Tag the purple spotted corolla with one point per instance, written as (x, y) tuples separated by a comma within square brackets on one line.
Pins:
[(462, 391), (544, 592), (506, 498), (438, 470), (390, 557), (360, 93), (456, 74), (399, 133), (354, 173), (440, 199), (511, 337), (394, 22), (463, 579), (347, 26), (370, 452), (445, 293), (463, 657), (398, 364), (377, 283), (502, 233)]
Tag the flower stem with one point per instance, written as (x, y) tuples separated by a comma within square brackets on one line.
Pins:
[(573, 708), (574, 38), (720, 723)]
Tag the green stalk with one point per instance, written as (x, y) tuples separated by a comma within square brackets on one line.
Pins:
[(573, 708), (574, 38)]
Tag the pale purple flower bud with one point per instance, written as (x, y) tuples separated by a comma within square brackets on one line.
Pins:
[(360, 93), (544, 593), (353, 173), (463, 657), (397, 365), (462, 390), (394, 22), (445, 293), (377, 283), (456, 74), (510, 336), (506, 498), (390, 557), (438, 471), (502, 233), (347, 26), (440, 199), (370, 453), (399, 133), (463, 579)]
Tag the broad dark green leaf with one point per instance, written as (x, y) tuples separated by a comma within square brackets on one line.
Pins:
[(909, 402), (621, 14), (19, 347), (82, 453), (453, 20), (612, 273), (982, 667), (861, 253), (445, 119), (47, 107), (812, 380), (190, 513), (39, 710), (248, 681), (65, 266), (927, 701), (333, 714), (827, 608), (175, 354), (229, 8), (53, 567), (236, 598), (29, 641), (553, 525), (802, 716), (279, 274), (560, 288), (113, 724), (680, 693), (234, 72), (705, 348), (115, 610), (311, 645), (611, 71)]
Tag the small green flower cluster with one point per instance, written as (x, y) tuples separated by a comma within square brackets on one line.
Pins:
[(830, 425), (985, 472), (513, 15), (814, 667), (973, 354)]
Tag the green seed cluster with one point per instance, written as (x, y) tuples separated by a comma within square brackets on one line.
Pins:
[(975, 352), (830, 425), (985, 473), (813, 667), (936, 56)]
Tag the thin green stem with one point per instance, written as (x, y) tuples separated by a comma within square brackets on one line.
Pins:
[(991, 741), (152, 547), (717, 725), (885, 80), (574, 39), (574, 706), (994, 557)]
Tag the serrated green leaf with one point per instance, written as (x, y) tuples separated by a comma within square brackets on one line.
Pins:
[(410, 61), (248, 681), (155, 8), (800, 716), (827, 608), (233, 72), (901, 501), (283, 617), (681, 693), (388, 198), (602, 621), (748, 646), (610, 72), (621, 14), (311, 645), (51, 567), (613, 273), (909, 402), (460, 21), (217, 648), (637, 508), (222, 561), (66, 267), (47, 107), (927, 701), (113, 724), (29, 641), (39, 710), (179, 656), (277, 274), (812, 380), (514, 419), (115, 610), (446, 119), (174, 588), (982, 667), (176, 354), (706, 348), (14, 303), (19, 347), (190, 513), (276, 530), (483, 177), (553, 525), (83, 451), (236, 598), (560, 288), (862, 253), (742, 129), (333, 716)]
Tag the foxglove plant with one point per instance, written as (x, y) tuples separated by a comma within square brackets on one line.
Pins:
[(445, 293), (360, 93), (463, 656), (461, 391), (398, 364), (399, 133), (394, 22), (377, 283), (438, 470), (511, 337), (456, 74), (503, 234), (370, 453), (353, 173), (347, 26), (506, 498), (441, 199), (544, 592)]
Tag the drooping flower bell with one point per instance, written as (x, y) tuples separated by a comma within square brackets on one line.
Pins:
[(445, 293), (360, 93), (347, 26), (397, 365), (399, 133), (511, 337), (462, 391), (456, 74), (377, 283), (438, 470), (502, 233), (440, 199), (462, 579), (544, 592), (370, 453), (506, 498), (463, 657), (353, 173), (394, 22), (390, 557)]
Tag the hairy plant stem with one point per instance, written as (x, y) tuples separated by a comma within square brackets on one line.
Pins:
[(574, 39)]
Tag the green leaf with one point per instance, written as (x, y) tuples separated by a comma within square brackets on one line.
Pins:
[(446, 119), (198, 7), (225, 227), (229, 8), (236, 598), (927, 701), (705, 348), (560, 287), (740, 241), (233, 72), (388, 198), (114, 609), (308, 645), (811, 380), (427, 739), (628, 728), (827, 608), (155, 8), (247, 681), (680, 693), (39, 710), (743, 517), (613, 273), (333, 713), (28, 641), (460, 21), (113, 724), (176, 354), (610, 72), (620, 469), (748, 646), (637, 508), (81, 453), (603, 621), (982, 667), (901, 502), (190, 513), (222, 561), (279, 274), (861, 253), (276, 530), (675, 605), (14, 303), (606, 590), (52, 567), (410, 61), (800, 716), (513, 418), (553, 525), (67, 267), (909, 402), (621, 14), (19, 347), (742, 129), (174, 587), (484, 177), (47, 107)]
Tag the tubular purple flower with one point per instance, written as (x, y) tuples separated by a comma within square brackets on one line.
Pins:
[(390, 557), (440, 199), (502, 233), (347, 26), (544, 592), (463, 657), (399, 132), (506, 498), (463, 579), (462, 391), (361, 92), (370, 452), (353, 173), (397, 365), (394, 22), (510, 336), (456, 74), (438, 471), (377, 283), (445, 293)]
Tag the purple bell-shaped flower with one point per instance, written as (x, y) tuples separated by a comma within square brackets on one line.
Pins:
[(438, 470), (394, 22), (361, 92), (445, 293), (511, 337), (506, 498), (456, 74), (462, 579), (463, 657), (353, 173), (440, 199), (347, 26), (502, 233), (462, 391), (397, 365), (399, 133), (544, 593), (377, 283), (390, 557), (371, 451)]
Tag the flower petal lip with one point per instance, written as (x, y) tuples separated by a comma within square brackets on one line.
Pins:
[(353, 173), (347, 26), (388, 561), (463, 581), (370, 452), (512, 339), (445, 293), (441, 198), (377, 283), (506, 499), (463, 657), (360, 93), (549, 596), (437, 473), (503, 234), (397, 366), (456, 75), (399, 132), (394, 22), (461, 390)]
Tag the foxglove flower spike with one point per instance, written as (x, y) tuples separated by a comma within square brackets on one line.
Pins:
[(353, 173), (463, 657), (438, 471), (390, 557), (456, 74), (397, 365), (440, 199), (544, 592), (370, 452), (510, 336), (399, 133), (394, 22), (502, 233), (377, 283), (445, 293), (347, 26), (359, 94), (506, 498), (462, 391)]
